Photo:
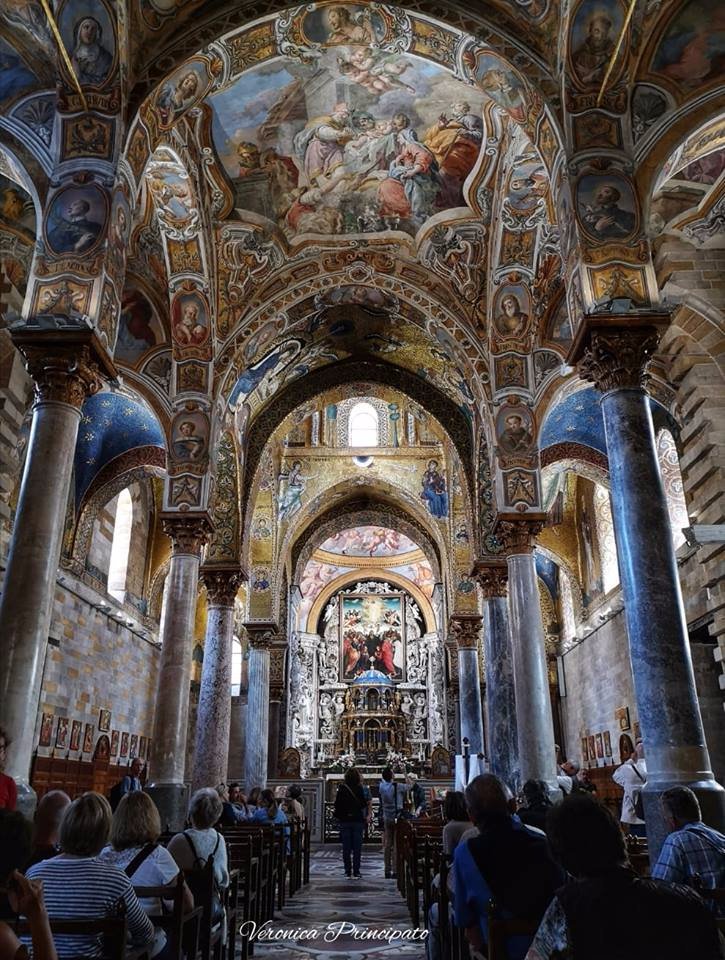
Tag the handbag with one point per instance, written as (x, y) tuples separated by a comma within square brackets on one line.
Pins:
[(637, 797)]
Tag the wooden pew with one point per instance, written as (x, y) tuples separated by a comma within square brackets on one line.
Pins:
[(453, 939), (499, 930), (418, 851), (113, 929), (201, 883), (182, 929)]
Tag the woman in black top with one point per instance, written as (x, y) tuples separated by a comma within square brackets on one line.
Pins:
[(350, 811), (536, 797)]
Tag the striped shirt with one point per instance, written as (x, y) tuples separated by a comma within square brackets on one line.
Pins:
[(77, 887)]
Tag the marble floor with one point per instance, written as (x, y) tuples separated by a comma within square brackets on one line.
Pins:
[(331, 916)]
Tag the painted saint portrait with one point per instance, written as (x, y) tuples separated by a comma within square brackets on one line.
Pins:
[(119, 230), (372, 635), (292, 483), (607, 207), (189, 437), (114, 743), (692, 50), (133, 747), (75, 735), (76, 220), (61, 733), (88, 738), (91, 57), (104, 721), (265, 371), (46, 730), (511, 311), (515, 430), (190, 320), (501, 83), (184, 88), (343, 24), (435, 491), (124, 745), (139, 329), (595, 28)]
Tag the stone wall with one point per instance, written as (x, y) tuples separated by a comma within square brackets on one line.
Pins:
[(94, 663)]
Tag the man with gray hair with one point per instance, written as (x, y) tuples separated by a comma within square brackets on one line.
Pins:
[(507, 862), (691, 849)]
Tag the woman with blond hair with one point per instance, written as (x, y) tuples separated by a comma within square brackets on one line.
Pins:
[(76, 884), (134, 848)]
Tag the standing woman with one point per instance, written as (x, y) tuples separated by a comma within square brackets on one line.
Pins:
[(351, 812)]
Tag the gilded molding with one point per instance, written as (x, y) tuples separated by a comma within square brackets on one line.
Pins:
[(465, 630), (618, 359), (518, 535), (64, 369)]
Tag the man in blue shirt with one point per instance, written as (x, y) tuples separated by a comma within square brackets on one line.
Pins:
[(392, 798), (691, 849), (507, 863)]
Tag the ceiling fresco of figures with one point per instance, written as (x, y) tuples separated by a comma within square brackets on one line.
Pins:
[(359, 141), (368, 542)]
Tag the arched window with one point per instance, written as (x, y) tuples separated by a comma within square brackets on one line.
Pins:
[(120, 546), (363, 427), (605, 536), (672, 482), (236, 666)]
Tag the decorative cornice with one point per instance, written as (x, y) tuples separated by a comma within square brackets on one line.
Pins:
[(517, 534), (222, 584), (614, 351), (66, 367), (465, 629), (574, 451), (492, 576), (188, 531)]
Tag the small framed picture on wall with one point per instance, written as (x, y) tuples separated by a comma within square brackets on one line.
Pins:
[(133, 747), (104, 721), (142, 747), (75, 735), (607, 744), (61, 734), (585, 749), (124, 745), (621, 715), (592, 747), (88, 739), (600, 746), (46, 730), (114, 743)]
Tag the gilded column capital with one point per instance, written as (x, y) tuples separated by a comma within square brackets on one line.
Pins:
[(465, 629), (65, 367), (188, 531), (222, 583), (614, 352), (262, 634), (492, 577), (517, 533)]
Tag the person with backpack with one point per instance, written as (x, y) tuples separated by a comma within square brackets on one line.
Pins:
[(135, 849), (351, 811), (128, 784), (392, 801), (631, 777)]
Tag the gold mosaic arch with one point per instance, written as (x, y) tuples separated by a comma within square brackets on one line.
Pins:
[(372, 574)]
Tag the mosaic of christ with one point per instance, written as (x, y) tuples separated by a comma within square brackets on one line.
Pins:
[(371, 627), (362, 141)]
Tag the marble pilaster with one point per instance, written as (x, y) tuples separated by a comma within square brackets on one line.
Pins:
[(503, 747), (261, 639), (188, 533), (537, 755), (466, 629), (214, 715), (65, 368), (614, 354)]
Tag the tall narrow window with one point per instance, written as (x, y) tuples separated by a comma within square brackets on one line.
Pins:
[(672, 482), (236, 666), (120, 546), (363, 426)]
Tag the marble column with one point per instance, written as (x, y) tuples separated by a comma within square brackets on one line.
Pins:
[(535, 723), (213, 720), (615, 358), (66, 368), (503, 746), (466, 629), (261, 639), (188, 533)]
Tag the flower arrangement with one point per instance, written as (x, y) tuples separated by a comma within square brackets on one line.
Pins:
[(399, 762), (344, 761)]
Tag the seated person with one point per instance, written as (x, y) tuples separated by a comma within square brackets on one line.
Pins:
[(192, 848), (77, 884), (231, 814), (644, 918), (46, 826), (293, 805), (691, 849), (457, 824), (134, 848), (507, 862), (268, 811), (537, 804), (15, 846), (238, 800)]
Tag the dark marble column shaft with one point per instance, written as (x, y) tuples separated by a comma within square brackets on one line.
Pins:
[(171, 718), (211, 751), (500, 692), (256, 753), (65, 372), (466, 631), (535, 724), (675, 748)]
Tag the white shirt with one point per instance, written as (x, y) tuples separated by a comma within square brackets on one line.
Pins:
[(628, 780)]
